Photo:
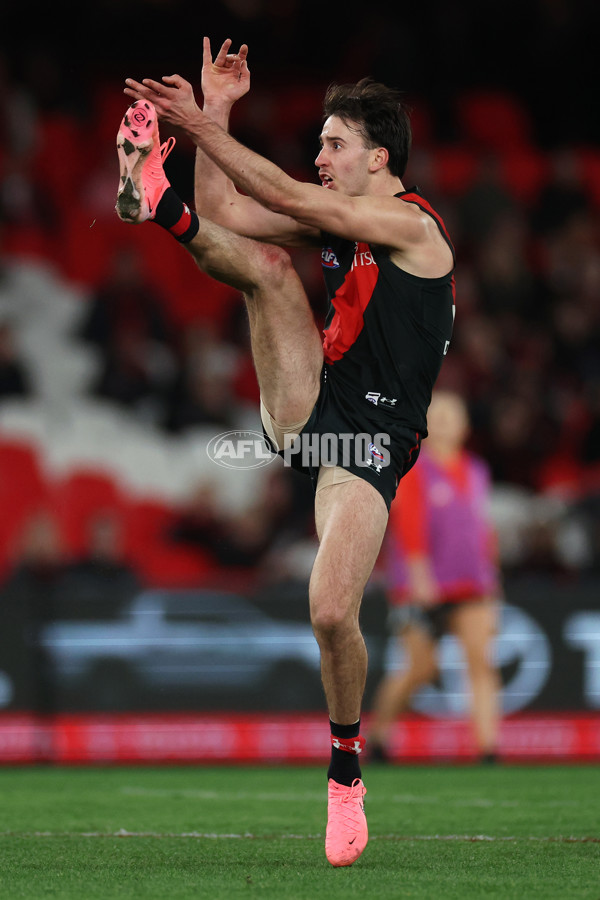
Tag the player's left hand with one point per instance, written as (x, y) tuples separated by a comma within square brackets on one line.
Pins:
[(227, 78), (173, 98)]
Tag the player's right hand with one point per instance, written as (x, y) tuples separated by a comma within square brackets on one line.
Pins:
[(173, 98), (227, 78)]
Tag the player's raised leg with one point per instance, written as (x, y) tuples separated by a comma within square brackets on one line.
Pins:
[(286, 344), (349, 515)]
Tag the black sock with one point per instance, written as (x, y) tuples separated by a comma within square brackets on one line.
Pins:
[(344, 766), (176, 217)]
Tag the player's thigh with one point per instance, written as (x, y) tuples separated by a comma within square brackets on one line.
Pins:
[(279, 311), (475, 624), (286, 346), (351, 519)]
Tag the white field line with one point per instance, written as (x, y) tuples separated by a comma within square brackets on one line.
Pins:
[(190, 794), (198, 835), (272, 796)]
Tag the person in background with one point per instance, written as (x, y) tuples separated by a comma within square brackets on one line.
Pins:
[(102, 581), (442, 576), (14, 378), (127, 321), (29, 597)]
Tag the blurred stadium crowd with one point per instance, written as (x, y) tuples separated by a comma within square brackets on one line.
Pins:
[(118, 358)]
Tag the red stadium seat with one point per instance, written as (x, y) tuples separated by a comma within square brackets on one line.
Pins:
[(157, 558), (456, 167), (493, 120), (80, 495), (525, 172), (421, 125), (59, 163), (590, 167)]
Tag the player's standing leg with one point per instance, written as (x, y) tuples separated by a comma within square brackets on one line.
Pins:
[(351, 520)]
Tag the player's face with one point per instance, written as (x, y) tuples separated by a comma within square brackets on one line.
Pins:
[(344, 160)]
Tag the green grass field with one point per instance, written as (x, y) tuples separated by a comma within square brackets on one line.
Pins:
[(171, 833)]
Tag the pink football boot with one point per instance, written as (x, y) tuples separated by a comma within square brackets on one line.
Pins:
[(141, 157), (347, 833)]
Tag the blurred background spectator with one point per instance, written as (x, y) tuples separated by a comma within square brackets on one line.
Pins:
[(442, 578), (129, 324), (101, 581), (14, 380), (30, 598)]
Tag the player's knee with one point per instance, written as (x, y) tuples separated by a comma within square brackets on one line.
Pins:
[(268, 272), (329, 622), (276, 266), (278, 258)]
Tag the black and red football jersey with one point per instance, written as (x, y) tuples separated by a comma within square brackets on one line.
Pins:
[(386, 331)]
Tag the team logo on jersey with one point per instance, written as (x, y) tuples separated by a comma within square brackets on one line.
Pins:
[(329, 259), (377, 399), (377, 458)]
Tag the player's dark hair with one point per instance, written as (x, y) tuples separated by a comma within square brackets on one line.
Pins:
[(381, 116)]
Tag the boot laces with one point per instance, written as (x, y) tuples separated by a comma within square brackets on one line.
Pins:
[(356, 791), (166, 148)]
